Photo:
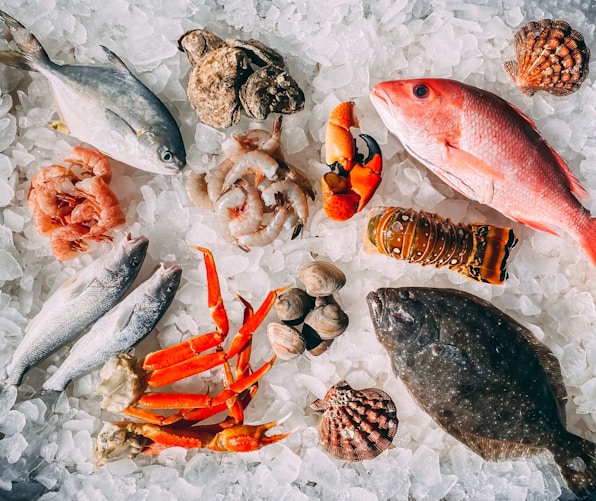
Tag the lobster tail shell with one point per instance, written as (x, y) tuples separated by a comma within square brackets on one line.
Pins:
[(477, 251)]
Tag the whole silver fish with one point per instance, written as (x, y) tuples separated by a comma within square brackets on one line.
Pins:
[(121, 328), (483, 377), (107, 107), (78, 303)]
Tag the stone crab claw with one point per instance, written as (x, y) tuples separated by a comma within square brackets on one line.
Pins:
[(353, 179)]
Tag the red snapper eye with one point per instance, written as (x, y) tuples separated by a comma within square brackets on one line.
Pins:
[(420, 91)]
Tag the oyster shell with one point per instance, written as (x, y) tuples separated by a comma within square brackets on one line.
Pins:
[(287, 342), (321, 278), (293, 305), (356, 424), (551, 56), (197, 43), (214, 86), (271, 89), (259, 53)]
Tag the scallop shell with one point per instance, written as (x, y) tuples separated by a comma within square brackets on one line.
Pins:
[(356, 424), (287, 342), (321, 278), (293, 305), (551, 56)]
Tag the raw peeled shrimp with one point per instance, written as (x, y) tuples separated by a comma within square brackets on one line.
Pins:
[(287, 192), (267, 233), (240, 211), (255, 162), (197, 190), (254, 139)]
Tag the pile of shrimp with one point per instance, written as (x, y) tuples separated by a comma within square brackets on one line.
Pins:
[(254, 192), (74, 205)]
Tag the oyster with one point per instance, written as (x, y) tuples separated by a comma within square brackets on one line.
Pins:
[(224, 79), (356, 424), (551, 56)]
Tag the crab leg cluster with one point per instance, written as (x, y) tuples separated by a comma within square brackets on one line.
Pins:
[(187, 358)]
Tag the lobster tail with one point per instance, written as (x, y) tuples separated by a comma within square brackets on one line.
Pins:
[(477, 251)]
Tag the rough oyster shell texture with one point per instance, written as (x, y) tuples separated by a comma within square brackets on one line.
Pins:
[(223, 81), (551, 56), (356, 424)]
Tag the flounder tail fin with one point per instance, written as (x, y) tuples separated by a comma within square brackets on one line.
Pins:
[(30, 54), (577, 461)]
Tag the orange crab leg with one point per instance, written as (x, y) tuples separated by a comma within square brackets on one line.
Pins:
[(244, 334), (214, 300), (177, 353), (187, 368), (239, 438)]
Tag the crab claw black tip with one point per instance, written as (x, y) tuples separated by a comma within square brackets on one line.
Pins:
[(373, 147)]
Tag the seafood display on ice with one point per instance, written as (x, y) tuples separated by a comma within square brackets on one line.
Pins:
[(104, 106), (75, 204), (121, 328), (488, 150), (355, 424), (331, 147), (550, 56), (478, 251), (453, 351), (253, 191), (224, 82), (177, 362), (315, 307), (353, 179)]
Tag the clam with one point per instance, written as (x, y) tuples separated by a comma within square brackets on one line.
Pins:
[(286, 341), (356, 424), (293, 305), (550, 56), (321, 278), (327, 320)]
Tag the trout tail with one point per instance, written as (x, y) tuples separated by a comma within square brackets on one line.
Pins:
[(576, 459), (30, 54), (8, 397)]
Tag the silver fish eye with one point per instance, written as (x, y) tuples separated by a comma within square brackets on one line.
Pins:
[(166, 155), (420, 91)]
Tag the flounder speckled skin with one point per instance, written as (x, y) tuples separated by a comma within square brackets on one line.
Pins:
[(482, 376), (551, 56), (356, 424)]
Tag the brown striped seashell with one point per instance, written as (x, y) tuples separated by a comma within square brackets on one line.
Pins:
[(551, 56), (321, 278), (293, 305), (327, 320), (356, 424), (286, 342)]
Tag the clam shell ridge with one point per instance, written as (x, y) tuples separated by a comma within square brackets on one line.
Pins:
[(356, 424), (551, 56)]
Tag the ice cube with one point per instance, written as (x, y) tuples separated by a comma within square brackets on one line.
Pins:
[(319, 468), (11, 448)]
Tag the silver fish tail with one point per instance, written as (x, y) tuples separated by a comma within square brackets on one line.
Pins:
[(76, 304), (121, 328)]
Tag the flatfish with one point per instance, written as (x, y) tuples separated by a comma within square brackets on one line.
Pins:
[(482, 376)]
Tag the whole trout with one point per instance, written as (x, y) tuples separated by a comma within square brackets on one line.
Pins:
[(482, 376), (121, 328), (488, 150), (78, 303)]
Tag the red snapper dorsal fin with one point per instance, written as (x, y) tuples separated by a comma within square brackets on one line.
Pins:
[(574, 185)]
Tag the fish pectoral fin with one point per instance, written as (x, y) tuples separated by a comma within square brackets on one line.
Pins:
[(494, 449), (536, 226), (119, 124), (124, 316), (60, 126), (114, 61), (472, 164)]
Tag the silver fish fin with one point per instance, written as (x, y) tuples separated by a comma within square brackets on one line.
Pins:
[(124, 317), (59, 126), (119, 124), (30, 54), (114, 61), (8, 397)]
